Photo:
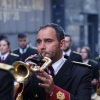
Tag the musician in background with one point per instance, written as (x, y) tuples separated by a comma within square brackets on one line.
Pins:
[(86, 57), (73, 55), (6, 56), (6, 79), (24, 50)]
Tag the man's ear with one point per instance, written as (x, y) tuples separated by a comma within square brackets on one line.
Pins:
[(62, 44), (71, 43), (9, 48)]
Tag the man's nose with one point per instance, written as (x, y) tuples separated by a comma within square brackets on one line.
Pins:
[(42, 46)]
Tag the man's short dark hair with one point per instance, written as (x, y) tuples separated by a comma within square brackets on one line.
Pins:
[(22, 35), (67, 35), (59, 30)]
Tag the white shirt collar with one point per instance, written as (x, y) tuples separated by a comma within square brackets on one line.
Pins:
[(68, 52), (57, 65), (23, 50), (86, 62), (4, 56)]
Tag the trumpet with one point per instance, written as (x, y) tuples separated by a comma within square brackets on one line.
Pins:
[(21, 71)]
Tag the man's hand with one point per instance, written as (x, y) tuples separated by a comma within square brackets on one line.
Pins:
[(47, 79), (94, 82), (16, 86), (30, 57)]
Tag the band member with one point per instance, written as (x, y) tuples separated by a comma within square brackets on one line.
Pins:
[(6, 56), (71, 80), (24, 49), (86, 55), (6, 85), (2, 37), (73, 55)]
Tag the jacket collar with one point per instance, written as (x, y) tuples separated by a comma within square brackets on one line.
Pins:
[(64, 74)]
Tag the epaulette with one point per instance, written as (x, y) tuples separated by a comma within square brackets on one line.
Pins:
[(34, 47), (76, 52), (94, 61), (82, 64), (14, 49), (97, 57), (13, 54)]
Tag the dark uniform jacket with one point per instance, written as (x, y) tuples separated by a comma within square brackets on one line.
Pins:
[(72, 82), (30, 51), (98, 60), (11, 58), (95, 69), (95, 73), (6, 85), (74, 56)]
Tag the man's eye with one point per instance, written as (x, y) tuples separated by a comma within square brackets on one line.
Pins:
[(49, 40), (38, 42)]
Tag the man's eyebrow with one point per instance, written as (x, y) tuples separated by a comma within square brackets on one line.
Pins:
[(45, 39), (38, 40)]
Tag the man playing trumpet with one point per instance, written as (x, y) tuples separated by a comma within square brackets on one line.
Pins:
[(67, 80)]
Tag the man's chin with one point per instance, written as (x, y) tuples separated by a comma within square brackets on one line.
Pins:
[(47, 55), (23, 47)]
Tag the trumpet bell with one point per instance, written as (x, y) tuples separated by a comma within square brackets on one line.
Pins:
[(21, 72)]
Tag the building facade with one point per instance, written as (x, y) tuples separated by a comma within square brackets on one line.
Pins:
[(79, 18), (23, 16)]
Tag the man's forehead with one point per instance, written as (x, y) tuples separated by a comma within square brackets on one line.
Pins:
[(23, 38), (47, 30), (67, 38), (47, 34)]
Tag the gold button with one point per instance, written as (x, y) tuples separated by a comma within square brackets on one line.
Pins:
[(60, 95)]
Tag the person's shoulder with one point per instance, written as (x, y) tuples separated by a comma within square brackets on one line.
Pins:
[(82, 64), (15, 49), (95, 62), (34, 48), (4, 72), (76, 53), (14, 55), (98, 57)]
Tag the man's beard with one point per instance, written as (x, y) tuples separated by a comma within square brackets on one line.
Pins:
[(23, 47), (43, 52), (66, 49)]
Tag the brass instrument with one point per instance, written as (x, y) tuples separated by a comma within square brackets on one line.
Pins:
[(22, 71)]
